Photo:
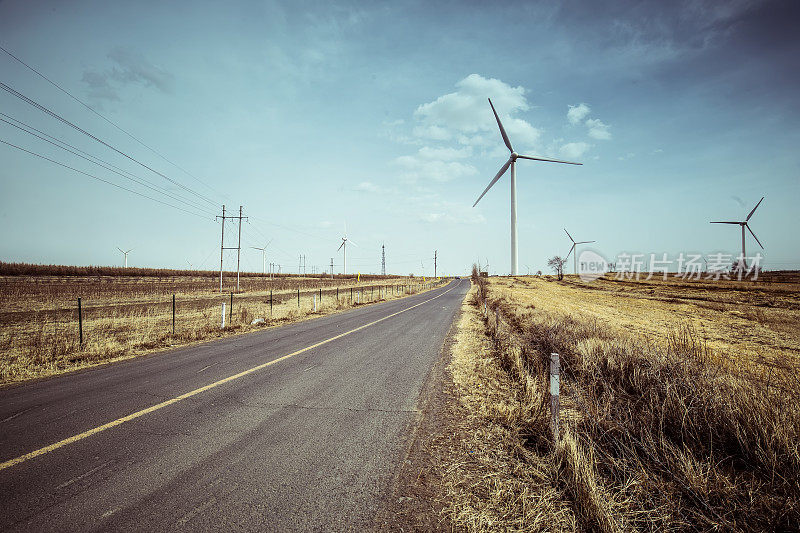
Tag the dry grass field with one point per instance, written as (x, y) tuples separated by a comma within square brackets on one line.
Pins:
[(125, 316), (680, 406)]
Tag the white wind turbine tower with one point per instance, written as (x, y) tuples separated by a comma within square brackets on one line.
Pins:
[(345, 240), (263, 255), (512, 163), (744, 224), (125, 254), (574, 248)]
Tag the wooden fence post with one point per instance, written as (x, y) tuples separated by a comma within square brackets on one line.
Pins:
[(80, 322), (555, 386)]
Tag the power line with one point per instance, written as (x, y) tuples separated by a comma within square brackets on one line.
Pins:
[(291, 229), (81, 130), (57, 86), (61, 141), (101, 179), (101, 163)]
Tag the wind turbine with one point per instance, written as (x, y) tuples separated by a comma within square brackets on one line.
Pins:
[(744, 224), (263, 255), (573, 248), (124, 253), (345, 240), (512, 163)]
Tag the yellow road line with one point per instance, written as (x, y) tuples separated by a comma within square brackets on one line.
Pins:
[(156, 407)]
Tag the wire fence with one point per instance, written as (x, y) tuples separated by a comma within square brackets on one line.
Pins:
[(85, 330)]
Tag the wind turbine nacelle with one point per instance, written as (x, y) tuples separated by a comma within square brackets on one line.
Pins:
[(514, 156)]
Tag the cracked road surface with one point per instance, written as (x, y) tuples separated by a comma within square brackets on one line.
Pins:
[(301, 427)]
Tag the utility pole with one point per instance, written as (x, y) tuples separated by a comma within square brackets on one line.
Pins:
[(435, 254), (383, 259), (238, 251), (222, 247)]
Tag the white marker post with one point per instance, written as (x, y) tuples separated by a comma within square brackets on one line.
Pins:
[(555, 385), (223, 316), (315, 302)]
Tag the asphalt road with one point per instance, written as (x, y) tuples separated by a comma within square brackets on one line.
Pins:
[(228, 435)]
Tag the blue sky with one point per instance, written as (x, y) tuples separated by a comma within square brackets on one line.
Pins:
[(374, 115)]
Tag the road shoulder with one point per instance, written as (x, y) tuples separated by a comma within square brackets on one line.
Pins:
[(417, 499)]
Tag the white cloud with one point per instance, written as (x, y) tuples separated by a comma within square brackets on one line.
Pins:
[(431, 217), (598, 129), (420, 167), (577, 113), (574, 150), (465, 114), (446, 154), (451, 213), (432, 132), (366, 186)]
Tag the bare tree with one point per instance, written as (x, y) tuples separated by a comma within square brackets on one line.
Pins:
[(557, 264)]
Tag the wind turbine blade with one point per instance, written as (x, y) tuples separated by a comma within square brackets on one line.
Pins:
[(254, 248), (340, 246), (129, 251), (497, 177), (753, 234), (548, 160), (568, 235), (351, 242), (570, 251), (725, 222), (502, 130), (120, 249), (584, 242), (753, 211)]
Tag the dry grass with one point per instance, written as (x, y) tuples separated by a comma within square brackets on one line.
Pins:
[(125, 317), (667, 422)]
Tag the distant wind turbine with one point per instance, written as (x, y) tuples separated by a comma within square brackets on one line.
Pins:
[(512, 163), (345, 240), (125, 254), (574, 248), (263, 255), (744, 224)]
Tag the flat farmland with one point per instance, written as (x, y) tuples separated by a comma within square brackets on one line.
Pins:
[(679, 405), (124, 316), (743, 325)]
